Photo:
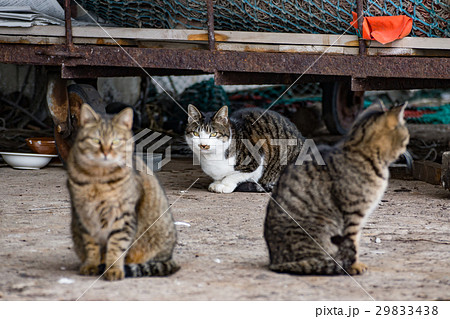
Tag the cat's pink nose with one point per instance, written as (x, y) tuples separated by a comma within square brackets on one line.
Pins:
[(204, 147), (105, 150)]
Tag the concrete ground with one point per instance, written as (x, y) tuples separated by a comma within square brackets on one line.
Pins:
[(222, 253)]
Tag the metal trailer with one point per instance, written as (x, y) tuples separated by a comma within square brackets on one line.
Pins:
[(352, 67)]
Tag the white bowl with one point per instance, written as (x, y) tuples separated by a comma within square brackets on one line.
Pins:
[(27, 160)]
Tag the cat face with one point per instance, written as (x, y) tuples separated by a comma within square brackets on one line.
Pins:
[(208, 133), (103, 142), (382, 131)]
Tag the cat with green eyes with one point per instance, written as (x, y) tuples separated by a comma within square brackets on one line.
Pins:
[(121, 222), (242, 152)]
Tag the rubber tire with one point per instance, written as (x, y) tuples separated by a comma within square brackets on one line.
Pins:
[(334, 93)]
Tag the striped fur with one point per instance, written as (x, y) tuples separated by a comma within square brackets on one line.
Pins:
[(148, 269), (251, 126), (314, 220), (119, 215)]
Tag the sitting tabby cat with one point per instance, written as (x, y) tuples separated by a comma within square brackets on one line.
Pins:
[(118, 214), (315, 217), (248, 146)]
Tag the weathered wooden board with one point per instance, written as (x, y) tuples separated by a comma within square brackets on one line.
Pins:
[(427, 171), (226, 36)]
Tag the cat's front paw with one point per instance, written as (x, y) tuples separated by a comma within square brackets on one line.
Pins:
[(114, 274), (222, 188), (89, 270), (213, 185), (357, 268)]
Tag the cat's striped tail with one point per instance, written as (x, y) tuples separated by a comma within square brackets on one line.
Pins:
[(324, 265), (151, 268), (148, 269)]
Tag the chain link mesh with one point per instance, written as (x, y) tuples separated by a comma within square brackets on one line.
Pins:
[(430, 17)]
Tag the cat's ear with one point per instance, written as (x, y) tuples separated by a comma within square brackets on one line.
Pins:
[(194, 115), (88, 115), (124, 118), (221, 115), (395, 115)]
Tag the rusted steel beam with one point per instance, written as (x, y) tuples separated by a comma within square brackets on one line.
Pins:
[(63, 53), (107, 56), (246, 78), (374, 84), (68, 23), (211, 35), (211, 61), (360, 13), (88, 72), (337, 65)]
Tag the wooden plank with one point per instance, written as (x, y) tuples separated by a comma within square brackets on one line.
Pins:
[(427, 171), (227, 36), (61, 40), (285, 48), (19, 39), (330, 39), (107, 32), (51, 31), (319, 49), (225, 46)]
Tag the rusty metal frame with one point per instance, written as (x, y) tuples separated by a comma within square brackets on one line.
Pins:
[(360, 17), (211, 61), (71, 61), (68, 23), (211, 36), (230, 67)]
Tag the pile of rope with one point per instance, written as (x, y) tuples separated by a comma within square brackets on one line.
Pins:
[(431, 115)]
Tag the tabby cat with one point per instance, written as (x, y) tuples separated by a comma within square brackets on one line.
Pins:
[(314, 220), (119, 215), (251, 145)]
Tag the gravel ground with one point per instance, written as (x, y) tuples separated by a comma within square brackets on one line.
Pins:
[(222, 253)]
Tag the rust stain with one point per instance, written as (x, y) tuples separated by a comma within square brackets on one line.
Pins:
[(20, 41), (253, 49), (25, 41), (204, 37), (113, 42), (75, 102), (125, 42), (352, 43), (57, 100)]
